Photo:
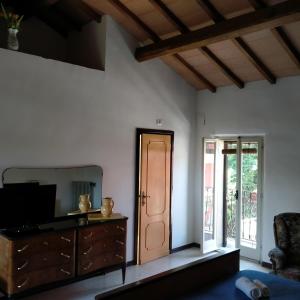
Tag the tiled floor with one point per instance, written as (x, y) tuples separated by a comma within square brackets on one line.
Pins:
[(246, 264), (87, 289)]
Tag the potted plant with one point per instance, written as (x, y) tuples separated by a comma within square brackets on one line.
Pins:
[(13, 22)]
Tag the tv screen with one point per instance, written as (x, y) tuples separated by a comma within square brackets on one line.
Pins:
[(22, 185), (26, 204), (42, 205)]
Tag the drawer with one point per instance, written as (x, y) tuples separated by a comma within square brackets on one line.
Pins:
[(92, 233), (43, 242), (36, 278), (100, 231), (117, 228), (113, 244), (91, 264), (40, 261)]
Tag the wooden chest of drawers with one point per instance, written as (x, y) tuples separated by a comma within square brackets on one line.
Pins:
[(48, 257), (101, 246), (36, 260)]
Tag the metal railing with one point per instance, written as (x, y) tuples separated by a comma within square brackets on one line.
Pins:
[(248, 216), (209, 213)]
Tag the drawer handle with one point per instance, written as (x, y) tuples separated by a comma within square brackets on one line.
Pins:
[(23, 266), (23, 283), (88, 236), (65, 272), (45, 243), (45, 259), (121, 228), (65, 255), (65, 239), (22, 249), (88, 251), (88, 266), (120, 242), (119, 256)]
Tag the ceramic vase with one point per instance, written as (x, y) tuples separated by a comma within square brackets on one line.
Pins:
[(12, 40), (107, 206), (84, 203)]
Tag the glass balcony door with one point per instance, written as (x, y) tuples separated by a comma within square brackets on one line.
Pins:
[(232, 176), (242, 195), (212, 195)]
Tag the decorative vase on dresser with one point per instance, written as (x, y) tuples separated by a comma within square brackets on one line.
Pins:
[(12, 40), (107, 206)]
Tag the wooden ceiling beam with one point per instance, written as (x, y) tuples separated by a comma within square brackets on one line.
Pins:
[(170, 16), (281, 36), (211, 11), (206, 82), (222, 66), (165, 11), (155, 37), (254, 60), (124, 10), (266, 18), (214, 14)]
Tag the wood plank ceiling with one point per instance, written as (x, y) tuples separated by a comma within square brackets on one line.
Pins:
[(214, 43)]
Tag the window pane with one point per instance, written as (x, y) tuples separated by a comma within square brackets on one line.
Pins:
[(230, 190), (209, 191), (249, 164)]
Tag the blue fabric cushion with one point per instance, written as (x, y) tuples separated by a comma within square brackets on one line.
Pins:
[(280, 288)]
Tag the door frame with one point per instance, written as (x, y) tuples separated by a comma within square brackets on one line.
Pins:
[(139, 132), (239, 139), (260, 183)]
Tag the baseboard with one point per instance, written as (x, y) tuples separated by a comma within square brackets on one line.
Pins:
[(266, 265), (184, 247)]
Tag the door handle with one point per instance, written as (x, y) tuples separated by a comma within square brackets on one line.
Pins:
[(143, 198)]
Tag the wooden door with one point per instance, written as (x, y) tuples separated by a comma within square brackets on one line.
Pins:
[(154, 196)]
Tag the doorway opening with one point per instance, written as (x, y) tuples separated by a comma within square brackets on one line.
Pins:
[(232, 194), (153, 194)]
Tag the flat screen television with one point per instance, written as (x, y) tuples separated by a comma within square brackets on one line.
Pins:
[(26, 204)]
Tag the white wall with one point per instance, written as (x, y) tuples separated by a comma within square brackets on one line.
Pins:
[(262, 109), (58, 114)]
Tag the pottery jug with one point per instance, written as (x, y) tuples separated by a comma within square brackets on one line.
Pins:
[(107, 206), (84, 203)]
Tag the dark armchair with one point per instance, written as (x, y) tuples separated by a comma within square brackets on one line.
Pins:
[(285, 257)]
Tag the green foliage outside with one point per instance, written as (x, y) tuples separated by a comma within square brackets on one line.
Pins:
[(249, 188)]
